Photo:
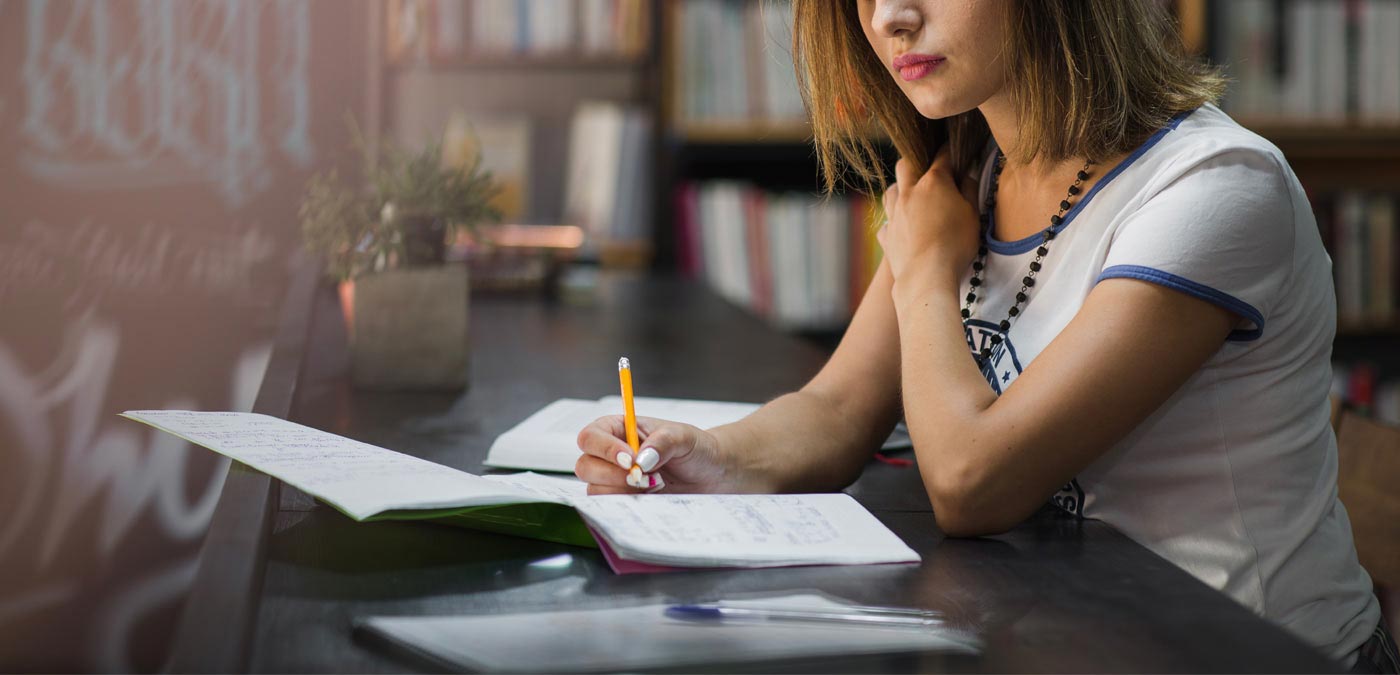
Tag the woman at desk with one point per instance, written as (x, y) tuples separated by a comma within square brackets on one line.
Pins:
[(1139, 279)]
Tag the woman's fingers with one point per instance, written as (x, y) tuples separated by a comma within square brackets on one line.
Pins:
[(940, 172), (891, 196), (607, 460), (604, 439), (942, 162), (602, 473), (904, 173), (663, 445)]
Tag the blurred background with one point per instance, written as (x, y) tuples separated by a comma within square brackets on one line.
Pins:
[(155, 206)]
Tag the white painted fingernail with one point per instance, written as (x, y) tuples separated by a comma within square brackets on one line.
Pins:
[(656, 483), (647, 459), (624, 459)]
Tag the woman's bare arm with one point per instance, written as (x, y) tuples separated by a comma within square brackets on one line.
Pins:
[(819, 438)]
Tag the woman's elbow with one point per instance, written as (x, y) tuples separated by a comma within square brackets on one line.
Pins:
[(960, 512)]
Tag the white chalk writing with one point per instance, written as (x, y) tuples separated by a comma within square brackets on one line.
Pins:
[(95, 260), (98, 454), (166, 94)]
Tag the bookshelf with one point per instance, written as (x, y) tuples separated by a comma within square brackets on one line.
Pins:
[(519, 71), (1332, 154), (743, 179)]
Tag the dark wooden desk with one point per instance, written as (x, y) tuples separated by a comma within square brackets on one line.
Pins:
[(282, 579)]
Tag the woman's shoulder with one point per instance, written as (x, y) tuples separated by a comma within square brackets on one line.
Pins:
[(1208, 138)]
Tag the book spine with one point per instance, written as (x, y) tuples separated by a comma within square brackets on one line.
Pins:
[(1381, 246), (755, 59), (687, 239), (1351, 223), (1332, 70), (756, 238)]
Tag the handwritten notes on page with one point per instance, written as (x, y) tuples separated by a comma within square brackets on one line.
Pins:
[(548, 488), (358, 478), (743, 530), (727, 530)]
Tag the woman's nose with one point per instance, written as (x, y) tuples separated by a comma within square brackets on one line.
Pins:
[(895, 18)]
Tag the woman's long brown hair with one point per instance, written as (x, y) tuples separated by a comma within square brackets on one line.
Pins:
[(1089, 78)]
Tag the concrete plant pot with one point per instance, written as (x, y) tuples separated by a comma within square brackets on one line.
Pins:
[(408, 328)]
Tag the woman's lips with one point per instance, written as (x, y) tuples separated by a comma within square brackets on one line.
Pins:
[(914, 66)]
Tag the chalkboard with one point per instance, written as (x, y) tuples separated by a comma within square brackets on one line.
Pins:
[(152, 157)]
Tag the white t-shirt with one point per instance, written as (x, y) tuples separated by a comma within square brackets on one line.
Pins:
[(1234, 478)]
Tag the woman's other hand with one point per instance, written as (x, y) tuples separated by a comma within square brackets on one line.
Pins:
[(931, 235)]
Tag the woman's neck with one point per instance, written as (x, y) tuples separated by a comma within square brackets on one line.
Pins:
[(1029, 193), (1006, 130)]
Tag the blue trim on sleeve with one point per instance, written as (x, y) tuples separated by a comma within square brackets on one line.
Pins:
[(1216, 297), (1022, 245)]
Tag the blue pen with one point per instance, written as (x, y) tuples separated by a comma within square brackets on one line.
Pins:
[(869, 616)]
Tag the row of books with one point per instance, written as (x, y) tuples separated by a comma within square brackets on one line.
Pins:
[(799, 260), (608, 187), (1359, 229), (734, 62), (1311, 60), (1361, 387), (444, 30)]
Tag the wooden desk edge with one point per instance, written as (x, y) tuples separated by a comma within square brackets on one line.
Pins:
[(215, 630)]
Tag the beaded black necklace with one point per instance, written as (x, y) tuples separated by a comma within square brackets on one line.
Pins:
[(1027, 282)]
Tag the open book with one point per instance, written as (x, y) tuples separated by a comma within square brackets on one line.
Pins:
[(635, 532), (548, 439)]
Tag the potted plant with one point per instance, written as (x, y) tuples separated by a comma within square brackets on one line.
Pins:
[(386, 240)]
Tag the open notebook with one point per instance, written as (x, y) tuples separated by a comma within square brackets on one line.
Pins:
[(636, 532), (548, 439)]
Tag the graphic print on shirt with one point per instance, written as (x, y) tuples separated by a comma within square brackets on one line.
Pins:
[(1070, 498), (1003, 366), (1001, 369)]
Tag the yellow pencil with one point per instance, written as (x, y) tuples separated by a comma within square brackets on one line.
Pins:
[(629, 415)]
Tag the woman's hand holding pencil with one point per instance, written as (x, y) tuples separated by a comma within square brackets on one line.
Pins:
[(628, 454)]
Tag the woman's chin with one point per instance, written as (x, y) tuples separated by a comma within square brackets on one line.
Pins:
[(937, 107)]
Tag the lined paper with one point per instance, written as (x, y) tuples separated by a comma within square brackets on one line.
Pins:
[(357, 478)]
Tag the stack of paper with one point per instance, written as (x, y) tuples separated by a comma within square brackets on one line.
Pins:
[(367, 482)]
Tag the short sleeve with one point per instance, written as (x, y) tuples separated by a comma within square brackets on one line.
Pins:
[(1222, 231)]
